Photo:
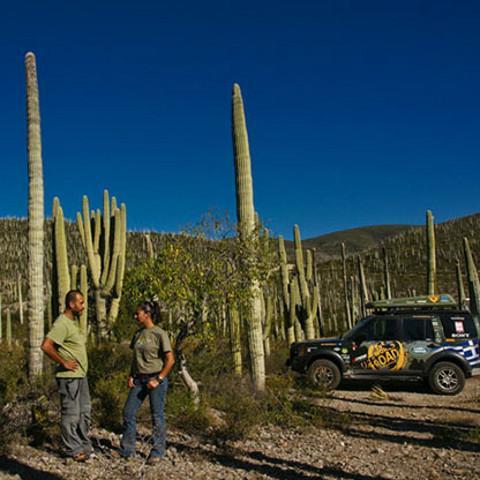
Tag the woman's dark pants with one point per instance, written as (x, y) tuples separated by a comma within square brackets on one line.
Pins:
[(135, 399)]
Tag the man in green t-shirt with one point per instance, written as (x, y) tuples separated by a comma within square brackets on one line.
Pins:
[(65, 344)]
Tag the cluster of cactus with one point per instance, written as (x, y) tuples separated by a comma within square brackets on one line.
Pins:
[(104, 239), (301, 300)]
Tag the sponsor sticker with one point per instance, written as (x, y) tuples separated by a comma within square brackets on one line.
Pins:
[(459, 328), (385, 355)]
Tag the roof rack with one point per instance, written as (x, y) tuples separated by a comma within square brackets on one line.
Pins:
[(423, 302)]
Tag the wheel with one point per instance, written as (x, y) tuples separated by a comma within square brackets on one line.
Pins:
[(325, 374), (446, 378)]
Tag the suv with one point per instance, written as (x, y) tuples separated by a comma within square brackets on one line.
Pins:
[(406, 338)]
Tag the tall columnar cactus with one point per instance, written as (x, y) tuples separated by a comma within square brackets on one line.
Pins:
[(9, 327), (105, 249), (386, 275), (295, 303), (348, 316), (320, 328), (247, 232), (149, 246), (290, 333), (306, 301), (20, 298), (460, 288), (353, 299), (84, 290), (235, 339), (363, 288), (431, 258), (267, 326), (35, 222), (472, 279)]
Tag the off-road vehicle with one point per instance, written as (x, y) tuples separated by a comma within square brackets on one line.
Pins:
[(424, 337)]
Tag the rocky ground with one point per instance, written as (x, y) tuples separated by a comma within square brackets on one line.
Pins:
[(402, 434)]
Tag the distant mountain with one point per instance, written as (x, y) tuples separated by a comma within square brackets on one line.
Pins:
[(407, 259), (356, 240)]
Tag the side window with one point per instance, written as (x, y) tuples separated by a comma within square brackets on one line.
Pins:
[(362, 334), (415, 328), (458, 326), (385, 328)]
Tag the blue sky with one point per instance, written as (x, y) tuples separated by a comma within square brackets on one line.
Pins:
[(359, 112)]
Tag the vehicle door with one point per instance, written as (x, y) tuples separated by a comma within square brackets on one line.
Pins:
[(376, 349), (421, 336)]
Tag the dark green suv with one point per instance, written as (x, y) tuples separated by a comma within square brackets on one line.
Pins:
[(403, 339)]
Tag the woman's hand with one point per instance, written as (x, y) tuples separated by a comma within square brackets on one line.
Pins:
[(131, 383), (153, 383)]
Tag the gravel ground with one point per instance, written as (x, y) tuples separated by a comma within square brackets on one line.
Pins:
[(406, 433)]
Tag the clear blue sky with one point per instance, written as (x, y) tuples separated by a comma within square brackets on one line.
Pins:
[(359, 112)]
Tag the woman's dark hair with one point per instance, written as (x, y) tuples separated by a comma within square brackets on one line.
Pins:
[(151, 307)]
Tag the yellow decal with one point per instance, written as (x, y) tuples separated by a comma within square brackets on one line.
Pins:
[(389, 355), (433, 298)]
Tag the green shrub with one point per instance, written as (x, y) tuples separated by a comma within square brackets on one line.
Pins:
[(108, 401), (181, 412), (13, 372), (109, 367)]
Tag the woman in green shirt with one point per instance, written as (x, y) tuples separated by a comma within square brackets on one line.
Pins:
[(152, 361)]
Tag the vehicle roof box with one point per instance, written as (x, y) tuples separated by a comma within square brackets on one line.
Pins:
[(422, 302)]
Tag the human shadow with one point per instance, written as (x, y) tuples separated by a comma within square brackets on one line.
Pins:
[(273, 467), (443, 435), (14, 467), (406, 405)]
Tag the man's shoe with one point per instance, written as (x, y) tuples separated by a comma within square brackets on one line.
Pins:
[(79, 457), (155, 460), (119, 454)]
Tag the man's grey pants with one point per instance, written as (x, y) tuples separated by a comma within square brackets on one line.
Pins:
[(75, 408)]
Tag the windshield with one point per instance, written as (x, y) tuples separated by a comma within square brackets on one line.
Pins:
[(351, 333)]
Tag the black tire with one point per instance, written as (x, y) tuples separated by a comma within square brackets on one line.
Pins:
[(446, 378), (324, 374)]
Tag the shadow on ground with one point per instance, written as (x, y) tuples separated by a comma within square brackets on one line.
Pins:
[(14, 467)]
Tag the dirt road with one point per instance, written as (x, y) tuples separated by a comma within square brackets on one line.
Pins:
[(406, 434)]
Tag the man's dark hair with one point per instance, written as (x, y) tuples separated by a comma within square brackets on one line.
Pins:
[(71, 297)]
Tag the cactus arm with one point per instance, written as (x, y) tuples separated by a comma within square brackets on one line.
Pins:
[(97, 230), (81, 230), (123, 251), (74, 270), (92, 260), (61, 258), (117, 243), (106, 236)]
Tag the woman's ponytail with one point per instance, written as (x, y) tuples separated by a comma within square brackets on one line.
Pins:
[(153, 308), (155, 312)]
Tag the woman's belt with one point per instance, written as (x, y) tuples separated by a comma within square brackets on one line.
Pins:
[(146, 375)]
